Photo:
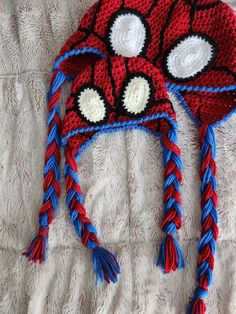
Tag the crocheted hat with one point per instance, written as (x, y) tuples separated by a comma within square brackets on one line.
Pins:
[(192, 43), (113, 94)]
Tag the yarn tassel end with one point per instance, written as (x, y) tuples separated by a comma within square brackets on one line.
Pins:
[(170, 256), (105, 265), (37, 250), (197, 306)]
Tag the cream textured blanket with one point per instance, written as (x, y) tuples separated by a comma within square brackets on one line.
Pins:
[(121, 176)]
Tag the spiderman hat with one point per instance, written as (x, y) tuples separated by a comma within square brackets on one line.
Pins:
[(110, 95), (192, 43)]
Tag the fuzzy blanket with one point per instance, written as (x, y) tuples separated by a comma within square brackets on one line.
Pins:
[(121, 176)]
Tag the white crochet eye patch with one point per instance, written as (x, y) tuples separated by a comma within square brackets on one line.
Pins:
[(189, 57), (136, 95), (91, 105), (127, 34)]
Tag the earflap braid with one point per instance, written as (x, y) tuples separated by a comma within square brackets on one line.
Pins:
[(37, 250), (170, 256), (209, 220), (83, 226), (106, 267)]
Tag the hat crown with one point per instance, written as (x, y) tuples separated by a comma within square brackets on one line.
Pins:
[(116, 90)]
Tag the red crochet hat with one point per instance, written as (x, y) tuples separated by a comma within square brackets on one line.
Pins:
[(113, 94), (192, 43)]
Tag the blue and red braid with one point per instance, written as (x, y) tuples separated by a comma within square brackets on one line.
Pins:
[(209, 220), (105, 265), (170, 256), (37, 250)]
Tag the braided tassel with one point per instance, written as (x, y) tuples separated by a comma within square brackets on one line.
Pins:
[(37, 250), (209, 220), (170, 255), (106, 267)]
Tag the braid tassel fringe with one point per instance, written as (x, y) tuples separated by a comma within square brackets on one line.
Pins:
[(170, 256), (209, 220), (105, 264)]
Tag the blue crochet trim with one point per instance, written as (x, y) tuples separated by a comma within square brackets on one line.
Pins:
[(180, 88), (77, 52), (120, 125)]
